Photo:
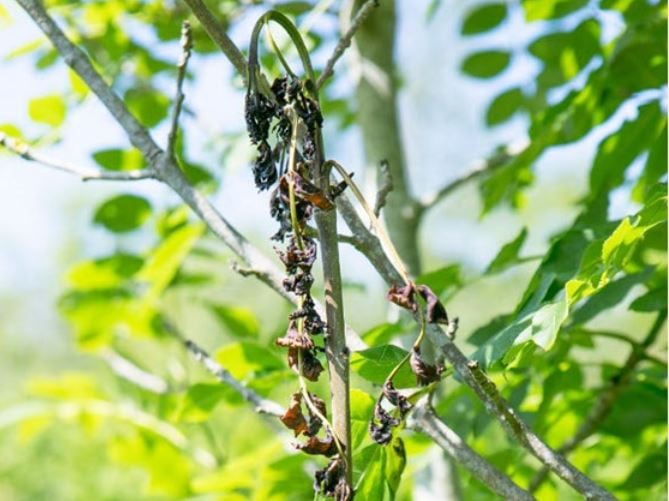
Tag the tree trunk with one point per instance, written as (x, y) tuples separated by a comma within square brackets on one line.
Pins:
[(379, 123)]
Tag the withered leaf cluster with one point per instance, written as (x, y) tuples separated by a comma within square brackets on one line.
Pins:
[(331, 480), (381, 425), (261, 111), (405, 296), (289, 112), (435, 312)]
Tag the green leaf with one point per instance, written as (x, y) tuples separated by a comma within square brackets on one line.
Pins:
[(293, 8), (608, 297), (105, 273), (202, 398), (374, 364), (117, 159), (5, 18), (362, 407), (164, 262), (382, 334), (48, 110), (484, 18), (380, 479), (508, 254), (653, 300), (79, 87), (123, 213), (239, 322), (541, 326), (505, 184), (13, 131), (565, 54), (442, 280), (148, 105), (547, 321), (649, 471), (24, 49), (95, 315), (654, 169), (550, 9), (638, 407), (504, 106), (486, 64), (618, 151), (245, 359)]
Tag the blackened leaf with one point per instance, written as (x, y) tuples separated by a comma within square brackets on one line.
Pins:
[(294, 338), (403, 296), (436, 313), (308, 191), (327, 479), (293, 417), (316, 446), (381, 425), (425, 373), (315, 422), (311, 366), (396, 398)]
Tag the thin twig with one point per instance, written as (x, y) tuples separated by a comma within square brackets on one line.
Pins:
[(217, 33), (480, 168), (608, 396), (345, 41), (386, 186), (79, 62), (84, 173), (186, 48), (261, 405), (423, 420), (127, 370)]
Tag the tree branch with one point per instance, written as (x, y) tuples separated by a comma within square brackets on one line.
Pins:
[(186, 47), (378, 118), (385, 187), (127, 370), (424, 420), (499, 408), (217, 33), (163, 167), (79, 62), (345, 41), (261, 405), (479, 169), (608, 396), (85, 173)]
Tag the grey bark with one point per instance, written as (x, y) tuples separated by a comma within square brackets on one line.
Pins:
[(380, 126)]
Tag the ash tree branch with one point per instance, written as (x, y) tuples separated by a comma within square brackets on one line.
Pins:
[(261, 404), (474, 377), (425, 421), (345, 41), (386, 186), (478, 170), (516, 428), (186, 47), (21, 149), (607, 396), (217, 33), (127, 370), (163, 166)]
